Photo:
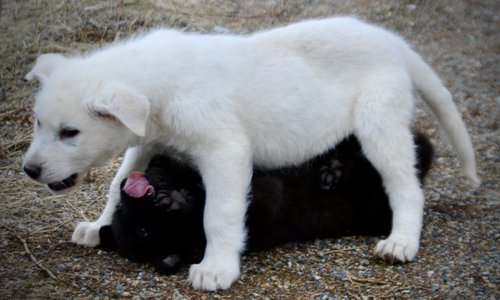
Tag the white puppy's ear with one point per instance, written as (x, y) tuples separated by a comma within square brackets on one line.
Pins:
[(45, 64), (126, 104)]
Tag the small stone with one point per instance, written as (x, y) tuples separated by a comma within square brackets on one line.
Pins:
[(220, 30), (120, 288)]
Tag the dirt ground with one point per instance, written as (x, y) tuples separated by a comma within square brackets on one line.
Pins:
[(459, 255)]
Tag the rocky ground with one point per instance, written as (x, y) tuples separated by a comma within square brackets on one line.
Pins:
[(458, 257)]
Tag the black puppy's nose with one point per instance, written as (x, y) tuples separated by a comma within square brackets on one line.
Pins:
[(32, 171)]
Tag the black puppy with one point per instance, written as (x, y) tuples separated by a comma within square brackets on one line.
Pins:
[(160, 217)]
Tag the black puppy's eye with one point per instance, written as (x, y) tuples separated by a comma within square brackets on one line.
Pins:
[(67, 133), (142, 232)]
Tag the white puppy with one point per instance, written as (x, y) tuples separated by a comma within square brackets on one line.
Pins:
[(226, 103)]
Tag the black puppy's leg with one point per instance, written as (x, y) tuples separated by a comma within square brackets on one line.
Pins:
[(425, 154)]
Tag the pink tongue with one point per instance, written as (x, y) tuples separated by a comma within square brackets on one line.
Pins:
[(136, 185)]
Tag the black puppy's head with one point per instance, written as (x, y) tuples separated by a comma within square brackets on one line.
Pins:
[(159, 216)]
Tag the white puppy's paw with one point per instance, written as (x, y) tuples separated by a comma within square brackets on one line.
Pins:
[(213, 276), (87, 234), (397, 250)]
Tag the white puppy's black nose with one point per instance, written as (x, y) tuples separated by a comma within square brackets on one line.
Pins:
[(32, 171)]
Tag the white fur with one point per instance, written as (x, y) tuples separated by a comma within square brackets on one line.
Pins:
[(272, 99)]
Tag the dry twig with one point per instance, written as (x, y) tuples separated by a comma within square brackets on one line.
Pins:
[(38, 263), (365, 280)]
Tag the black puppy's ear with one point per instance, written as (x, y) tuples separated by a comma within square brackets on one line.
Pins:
[(169, 265), (107, 238), (160, 161), (180, 172)]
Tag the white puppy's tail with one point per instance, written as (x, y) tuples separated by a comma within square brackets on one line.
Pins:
[(440, 101)]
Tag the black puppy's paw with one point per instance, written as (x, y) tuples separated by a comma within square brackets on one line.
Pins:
[(169, 265), (330, 174), (174, 200)]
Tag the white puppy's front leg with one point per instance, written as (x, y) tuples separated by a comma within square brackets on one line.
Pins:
[(87, 233), (226, 174)]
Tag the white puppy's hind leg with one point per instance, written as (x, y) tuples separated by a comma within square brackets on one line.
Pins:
[(382, 127), (87, 233), (226, 174), (392, 154)]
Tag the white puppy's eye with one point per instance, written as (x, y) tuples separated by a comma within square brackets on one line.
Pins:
[(67, 133)]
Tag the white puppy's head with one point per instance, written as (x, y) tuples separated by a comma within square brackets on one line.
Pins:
[(82, 120)]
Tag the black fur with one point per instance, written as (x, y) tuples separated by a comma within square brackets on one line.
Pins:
[(336, 194)]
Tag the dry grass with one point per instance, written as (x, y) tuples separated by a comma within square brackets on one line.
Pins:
[(458, 257)]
